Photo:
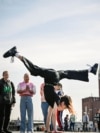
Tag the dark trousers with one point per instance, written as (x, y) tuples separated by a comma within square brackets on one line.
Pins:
[(72, 124), (85, 126), (99, 126), (56, 75), (5, 111), (66, 127)]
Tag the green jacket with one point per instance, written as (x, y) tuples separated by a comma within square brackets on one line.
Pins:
[(7, 92)]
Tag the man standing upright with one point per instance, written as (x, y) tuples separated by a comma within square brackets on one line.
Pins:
[(26, 90), (85, 120), (72, 122), (7, 100)]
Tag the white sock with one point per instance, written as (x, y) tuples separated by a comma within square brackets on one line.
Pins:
[(17, 55), (90, 69)]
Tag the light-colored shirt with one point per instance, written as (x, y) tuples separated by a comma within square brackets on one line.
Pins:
[(22, 86), (85, 118), (42, 93), (72, 118)]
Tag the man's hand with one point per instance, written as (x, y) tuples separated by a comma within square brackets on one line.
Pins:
[(27, 87)]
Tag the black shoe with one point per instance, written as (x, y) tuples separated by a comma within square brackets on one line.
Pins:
[(7, 131), (10, 52), (94, 69)]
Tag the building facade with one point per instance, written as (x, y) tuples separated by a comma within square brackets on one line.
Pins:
[(90, 105)]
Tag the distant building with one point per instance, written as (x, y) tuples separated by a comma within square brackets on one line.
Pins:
[(90, 105)]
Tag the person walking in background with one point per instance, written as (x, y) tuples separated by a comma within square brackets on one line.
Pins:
[(66, 122), (44, 104), (72, 122), (26, 90), (85, 120), (7, 101)]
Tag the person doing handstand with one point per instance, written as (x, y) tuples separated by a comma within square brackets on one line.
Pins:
[(52, 78)]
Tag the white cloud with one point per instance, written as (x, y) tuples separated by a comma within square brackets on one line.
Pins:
[(43, 14)]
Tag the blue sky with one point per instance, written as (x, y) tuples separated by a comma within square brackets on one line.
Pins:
[(59, 34)]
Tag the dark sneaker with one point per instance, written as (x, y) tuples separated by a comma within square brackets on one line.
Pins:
[(94, 69), (10, 52)]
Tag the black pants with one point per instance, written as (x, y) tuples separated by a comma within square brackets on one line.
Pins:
[(72, 124), (5, 111), (85, 126), (99, 126), (53, 75)]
